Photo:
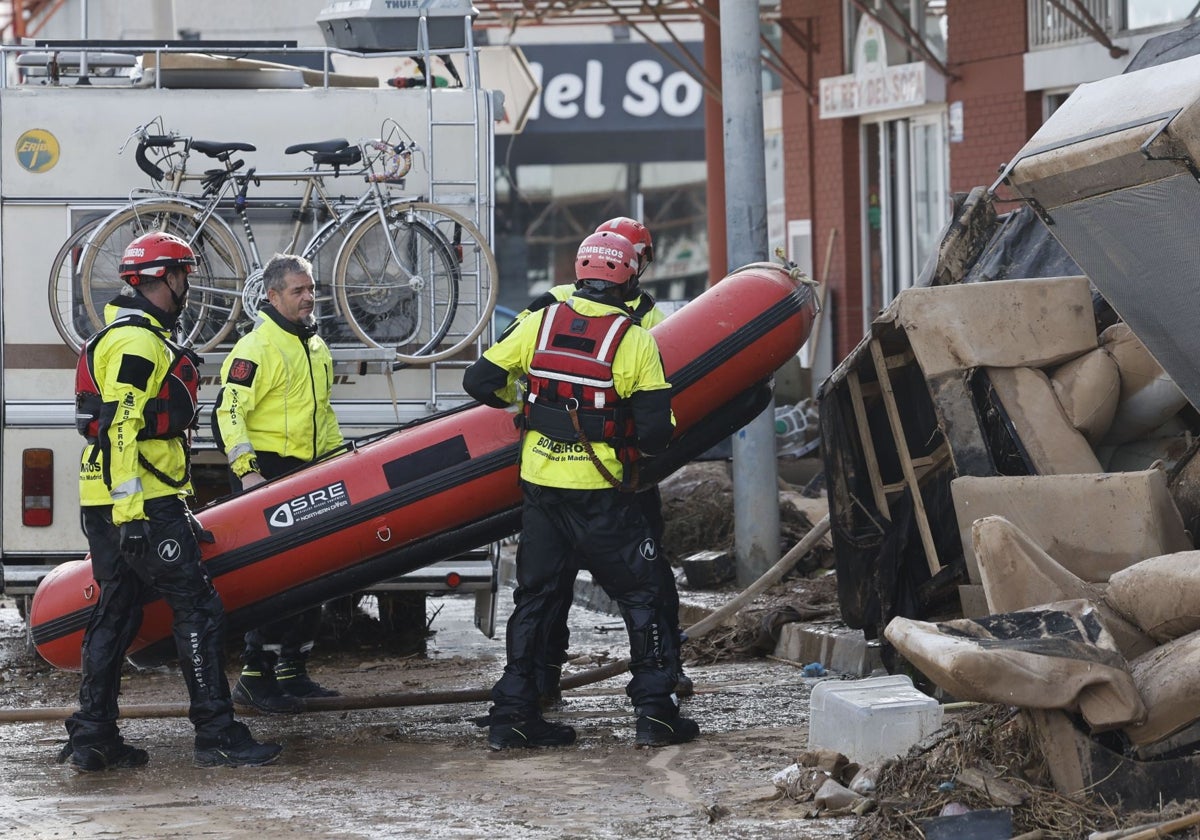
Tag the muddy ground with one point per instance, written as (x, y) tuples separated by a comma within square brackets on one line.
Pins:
[(422, 770)]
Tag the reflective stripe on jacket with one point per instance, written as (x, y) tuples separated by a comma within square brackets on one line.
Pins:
[(636, 367), (571, 370)]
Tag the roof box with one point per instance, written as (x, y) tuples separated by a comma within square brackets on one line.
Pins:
[(394, 25)]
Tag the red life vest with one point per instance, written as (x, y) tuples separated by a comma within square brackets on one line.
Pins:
[(170, 413), (572, 368)]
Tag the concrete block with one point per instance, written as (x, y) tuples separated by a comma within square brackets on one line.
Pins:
[(709, 569), (837, 647)]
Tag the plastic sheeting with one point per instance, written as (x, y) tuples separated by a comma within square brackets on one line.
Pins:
[(1020, 248)]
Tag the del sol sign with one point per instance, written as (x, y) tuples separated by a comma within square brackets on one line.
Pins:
[(612, 88)]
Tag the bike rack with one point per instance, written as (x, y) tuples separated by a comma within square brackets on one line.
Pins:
[(471, 197)]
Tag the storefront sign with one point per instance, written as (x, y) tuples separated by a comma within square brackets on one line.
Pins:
[(622, 87), (611, 103), (874, 86)]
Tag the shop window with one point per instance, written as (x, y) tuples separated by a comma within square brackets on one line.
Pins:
[(1052, 101), (1141, 14)]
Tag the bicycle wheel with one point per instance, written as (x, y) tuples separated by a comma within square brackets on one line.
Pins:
[(397, 284), (67, 309), (322, 250), (400, 286), (477, 272), (214, 301)]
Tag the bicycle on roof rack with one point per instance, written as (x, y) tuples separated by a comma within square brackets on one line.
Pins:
[(389, 268)]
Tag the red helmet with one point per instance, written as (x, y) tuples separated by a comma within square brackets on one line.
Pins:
[(635, 232), (151, 254), (606, 256)]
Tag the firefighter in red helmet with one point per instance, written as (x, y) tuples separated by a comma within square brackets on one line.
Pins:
[(644, 311), (136, 393), (596, 402)]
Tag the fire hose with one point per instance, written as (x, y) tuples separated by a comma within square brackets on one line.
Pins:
[(471, 695)]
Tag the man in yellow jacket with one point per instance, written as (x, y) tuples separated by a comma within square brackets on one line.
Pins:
[(272, 416), (596, 402), (136, 393)]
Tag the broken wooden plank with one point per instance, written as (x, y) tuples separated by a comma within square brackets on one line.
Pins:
[(996, 789), (893, 412)]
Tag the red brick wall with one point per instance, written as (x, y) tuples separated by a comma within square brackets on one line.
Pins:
[(821, 157), (986, 44), (821, 164)]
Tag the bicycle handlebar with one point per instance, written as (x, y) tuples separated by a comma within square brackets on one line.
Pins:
[(399, 162), (153, 141)]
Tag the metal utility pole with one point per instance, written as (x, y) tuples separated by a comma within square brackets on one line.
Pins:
[(755, 469)]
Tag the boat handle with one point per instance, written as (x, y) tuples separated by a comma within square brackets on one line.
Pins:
[(384, 534)]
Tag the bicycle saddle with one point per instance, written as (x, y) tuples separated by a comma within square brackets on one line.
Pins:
[(214, 148), (335, 153), (319, 146), (342, 157)]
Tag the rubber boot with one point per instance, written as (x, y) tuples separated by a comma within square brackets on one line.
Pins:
[(256, 687), (235, 747), (292, 677)]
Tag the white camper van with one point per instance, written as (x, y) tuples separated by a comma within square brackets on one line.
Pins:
[(83, 126)]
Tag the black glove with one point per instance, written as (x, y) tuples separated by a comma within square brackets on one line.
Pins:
[(135, 538), (199, 531)]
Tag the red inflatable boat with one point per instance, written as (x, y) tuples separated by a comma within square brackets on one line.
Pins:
[(442, 486)]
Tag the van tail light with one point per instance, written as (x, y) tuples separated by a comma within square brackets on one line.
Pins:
[(37, 487)]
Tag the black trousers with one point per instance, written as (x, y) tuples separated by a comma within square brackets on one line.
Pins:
[(172, 570), (607, 532), (558, 642), (288, 638)]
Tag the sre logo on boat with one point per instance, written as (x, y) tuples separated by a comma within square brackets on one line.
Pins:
[(312, 504)]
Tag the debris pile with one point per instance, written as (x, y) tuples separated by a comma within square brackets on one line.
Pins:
[(984, 761)]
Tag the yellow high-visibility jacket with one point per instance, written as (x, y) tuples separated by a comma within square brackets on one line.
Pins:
[(275, 395), (650, 318), (637, 369), (130, 365)]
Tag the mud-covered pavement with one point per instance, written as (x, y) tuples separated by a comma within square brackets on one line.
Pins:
[(423, 770)]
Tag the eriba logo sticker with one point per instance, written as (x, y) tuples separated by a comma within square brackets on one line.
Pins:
[(37, 150), (303, 509)]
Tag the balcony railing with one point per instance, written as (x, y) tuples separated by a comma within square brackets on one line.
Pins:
[(1050, 25)]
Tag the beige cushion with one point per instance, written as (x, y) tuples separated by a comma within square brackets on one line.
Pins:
[(1094, 525), (1053, 444), (1166, 678), (1054, 657), (1017, 574), (1149, 397), (1089, 389), (1161, 595)]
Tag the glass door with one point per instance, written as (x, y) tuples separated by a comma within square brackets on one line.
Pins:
[(930, 193), (905, 172)]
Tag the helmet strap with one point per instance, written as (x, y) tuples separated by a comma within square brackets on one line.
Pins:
[(633, 288), (179, 299)]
